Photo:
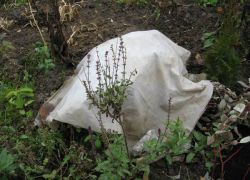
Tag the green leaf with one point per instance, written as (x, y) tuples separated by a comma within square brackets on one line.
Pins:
[(28, 102), (29, 113), (98, 143), (87, 138), (26, 90), (51, 175), (19, 103), (198, 136), (24, 136), (6, 162), (169, 159), (190, 157), (22, 112), (209, 165), (11, 93)]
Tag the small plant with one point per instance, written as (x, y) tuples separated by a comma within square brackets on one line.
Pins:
[(5, 46), (110, 93), (200, 147), (46, 65), (109, 97), (21, 98), (200, 143), (172, 142), (94, 140), (42, 54), (208, 39), (117, 164), (7, 165), (20, 2), (222, 60), (210, 146), (156, 13), (38, 150)]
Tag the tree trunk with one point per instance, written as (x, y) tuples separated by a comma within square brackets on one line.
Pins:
[(51, 17)]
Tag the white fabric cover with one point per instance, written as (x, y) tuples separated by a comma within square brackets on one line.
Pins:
[(160, 64)]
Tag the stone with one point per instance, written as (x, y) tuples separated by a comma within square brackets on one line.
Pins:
[(240, 107), (222, 105)]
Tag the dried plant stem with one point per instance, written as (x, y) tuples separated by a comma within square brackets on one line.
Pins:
[(222, 163), (219, 151), (160, 138), (245, 175), (35, 21)]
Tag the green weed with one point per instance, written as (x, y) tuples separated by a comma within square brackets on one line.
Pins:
[(5, 47), (7, 165), (117, 164), (137, 2), (20, 99), (20, 2), (208, 39), (156, 13), (174, 141), (222, 60), (208, 2), (45, 61)]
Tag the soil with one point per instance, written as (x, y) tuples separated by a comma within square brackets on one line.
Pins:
[(98, 21)]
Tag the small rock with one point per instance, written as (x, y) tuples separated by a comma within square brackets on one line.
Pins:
[(230, 100), (244, 85), (240, 107), (203, 14), (229, 106), (231, 94), (227, 98), (222, 105), (137, 149)]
